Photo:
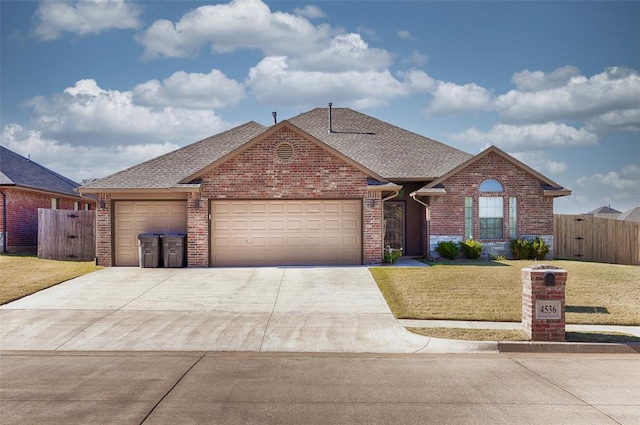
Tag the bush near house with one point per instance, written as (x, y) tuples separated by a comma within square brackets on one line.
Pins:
[(471, 249), (447, 249), (529, 249), (392, 255)]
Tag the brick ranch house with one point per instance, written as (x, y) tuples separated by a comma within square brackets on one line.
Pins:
[(329, 186), (26, 186)]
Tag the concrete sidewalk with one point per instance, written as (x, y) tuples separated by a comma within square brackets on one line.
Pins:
[(80, 388)]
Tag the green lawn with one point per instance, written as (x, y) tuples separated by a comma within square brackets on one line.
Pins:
[(596, 293), (21, 275)]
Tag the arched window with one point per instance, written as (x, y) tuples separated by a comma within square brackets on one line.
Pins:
[(490, 185), (491, 211)]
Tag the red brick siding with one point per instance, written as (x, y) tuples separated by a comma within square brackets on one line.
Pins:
[(22, 215), (197, 232), (372, 234), (313, 173), (533, 289), (104, 250), (535, 211)]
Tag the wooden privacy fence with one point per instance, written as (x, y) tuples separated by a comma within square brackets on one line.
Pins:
[(605, 240), (66, 235)]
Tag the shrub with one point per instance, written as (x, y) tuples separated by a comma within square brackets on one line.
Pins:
[(447, 249), (519, 249), (540, 249), (527, 249), (391, 255), (471, 248)]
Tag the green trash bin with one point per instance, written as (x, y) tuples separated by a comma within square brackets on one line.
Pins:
[(149, 250), (173, 249)]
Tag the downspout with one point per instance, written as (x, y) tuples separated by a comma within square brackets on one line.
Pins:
[(4, 222), (427, 221), (392, 196)]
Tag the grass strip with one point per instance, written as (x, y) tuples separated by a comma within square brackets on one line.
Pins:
[(517, 335)]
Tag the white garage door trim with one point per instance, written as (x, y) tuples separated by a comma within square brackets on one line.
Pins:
[(286, 232), (132, 218)]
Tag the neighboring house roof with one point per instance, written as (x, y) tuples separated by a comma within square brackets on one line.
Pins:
[(630, 215), (549, 187), (606, 209), (16, 170), (604, 212), (383, 149)]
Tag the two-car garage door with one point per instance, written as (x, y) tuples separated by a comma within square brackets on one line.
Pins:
[(286, 232)]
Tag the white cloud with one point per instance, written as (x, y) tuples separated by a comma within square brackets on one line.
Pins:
[(274, 81), (417, 81), (528, 137), (309, 11), (345, 52), (239, 24), (527, 81), (620, 189), (417, 58), (615, 122), (90, 115), (615, 89), (190, 90), (370, 33), (450, 98), (78, 162), (405, 34), (53, 18), (542, 162)]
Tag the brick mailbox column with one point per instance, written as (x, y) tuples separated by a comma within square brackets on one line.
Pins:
[(543, 302)]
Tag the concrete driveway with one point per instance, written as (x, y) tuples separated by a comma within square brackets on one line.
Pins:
[(289, 309)]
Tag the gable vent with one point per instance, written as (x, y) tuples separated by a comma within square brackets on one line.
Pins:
[(284, 151)]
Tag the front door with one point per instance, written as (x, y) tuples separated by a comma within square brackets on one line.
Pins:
[(394, 219)]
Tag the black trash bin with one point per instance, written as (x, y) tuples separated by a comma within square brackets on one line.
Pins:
[(173, 249), (149, 250)]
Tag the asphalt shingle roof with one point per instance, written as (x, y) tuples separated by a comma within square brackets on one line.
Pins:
[(169, 169), (385, 149), (16, 170), (389, 151)]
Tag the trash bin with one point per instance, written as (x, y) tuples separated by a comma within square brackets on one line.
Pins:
[(173, 249), (149, 250)]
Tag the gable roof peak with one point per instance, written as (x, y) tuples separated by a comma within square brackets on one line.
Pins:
[(550, 188)]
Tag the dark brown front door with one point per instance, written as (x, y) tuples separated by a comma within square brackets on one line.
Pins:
[(394, 225)]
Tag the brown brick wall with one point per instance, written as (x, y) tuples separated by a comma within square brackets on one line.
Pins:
[(103, 223), (22, 215), (197, 231), (535, 211), (313, 173)]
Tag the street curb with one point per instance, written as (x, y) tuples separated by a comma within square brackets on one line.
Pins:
[(568, 347)]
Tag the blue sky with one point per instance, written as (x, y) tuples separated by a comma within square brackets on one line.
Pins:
[(92, 87)]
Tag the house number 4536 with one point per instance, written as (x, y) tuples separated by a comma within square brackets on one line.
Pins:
[(548, 309)]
